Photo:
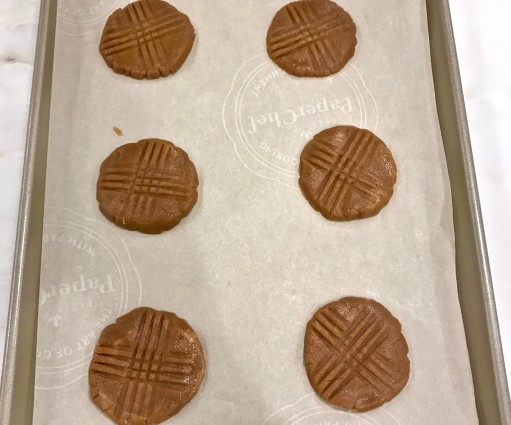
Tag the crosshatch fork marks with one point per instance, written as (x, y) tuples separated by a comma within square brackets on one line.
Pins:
[(142, 366), (347, 173), (351, 353), (145, 32), (341, 165), (311, 38), (344, 169), (146, 367), (147, 186), (339, 326), (145, 180), (124, 391), (146, 28), (147, 39), (347, 178), (142, 162), (345, 348), (314, 36), (347, 335), (308, 32), (355, 354), (118, 358)]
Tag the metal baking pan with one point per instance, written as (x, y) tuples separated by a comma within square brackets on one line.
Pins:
[(474, 279)]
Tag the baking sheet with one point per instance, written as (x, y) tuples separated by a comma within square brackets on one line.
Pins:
[(253, 261)]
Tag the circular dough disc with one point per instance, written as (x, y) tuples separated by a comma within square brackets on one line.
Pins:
[(311, 38), (147, 39), (146, 367), (355, 354)]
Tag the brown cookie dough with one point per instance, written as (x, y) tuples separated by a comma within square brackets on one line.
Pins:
[(146, 367), (355, 354), (347, 173), (147, 39), (311, 38), (147, 186)]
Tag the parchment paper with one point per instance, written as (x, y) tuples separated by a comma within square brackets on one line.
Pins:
[(253, 261)]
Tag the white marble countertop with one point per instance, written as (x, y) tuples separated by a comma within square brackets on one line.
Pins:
[(481, 34)]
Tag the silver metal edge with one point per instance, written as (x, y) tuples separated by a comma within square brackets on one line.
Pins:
[(477, 219), (22, 240)]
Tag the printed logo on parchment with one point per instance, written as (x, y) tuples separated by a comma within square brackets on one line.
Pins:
[(87, 281), (270, 115), (309, 410), (82, 17)]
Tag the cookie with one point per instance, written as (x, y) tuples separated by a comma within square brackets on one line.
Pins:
[(347, 173), (311, 38), (147, 39), (146, 367), (147, 186), (355, 354)]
